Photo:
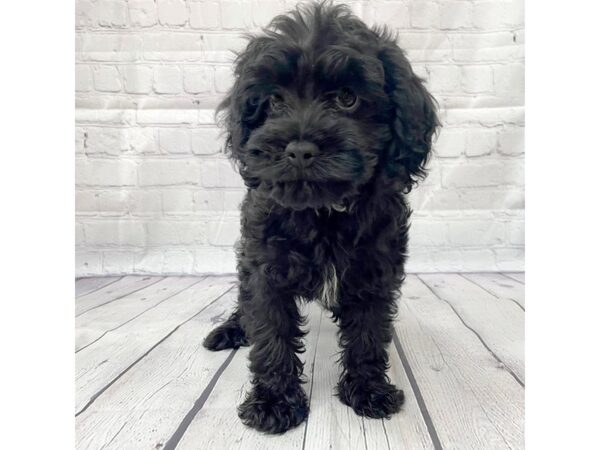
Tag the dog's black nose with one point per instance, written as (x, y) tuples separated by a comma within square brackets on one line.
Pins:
[(301, 153)]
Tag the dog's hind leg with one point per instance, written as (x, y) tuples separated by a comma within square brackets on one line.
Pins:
[(229, 334)]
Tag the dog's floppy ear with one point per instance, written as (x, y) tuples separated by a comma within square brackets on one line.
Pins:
[(413, 120), (242, 109)]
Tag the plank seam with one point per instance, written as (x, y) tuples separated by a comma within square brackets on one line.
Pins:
[(511, 278), (120, 297), (364, 432), (138, 315), (496, 357), (437, 445), (101, 287), (114, 380), (491, 293), (387, 438), (174, 440), (312, 378)]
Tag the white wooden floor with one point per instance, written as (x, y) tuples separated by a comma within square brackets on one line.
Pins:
[(144, 381)]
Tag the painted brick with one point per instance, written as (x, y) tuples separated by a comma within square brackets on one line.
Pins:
[(223, 231), (394, 14), (456, 15), (516, 233), (137, 79), (111, 47), (175, 141), (214, 260), (111, 203), (167, 80), (427, 233), (111, 14), (79, 235), (233, 199), (491, 15), (142, 141), (84, 14), (88, 262), (451, 142), (149, 261), (177, 262), (509, 80), (145, 203), (110, 141), (481, 141), (172, 12), (107, 79), (123, 233), (198, 79), (175, 232), (235, 14), (476, 79), (143, 13), (83, 78), (209, 200), (223, 79), (117, 262), (167, 173), (481, 174), (85, 202), (178, 201), (476, 233), (510, 259), (219, 174), (444, 78), (511, 140), (204, 15), (207, 141), (424, 14), (105, 173), (263, 11)]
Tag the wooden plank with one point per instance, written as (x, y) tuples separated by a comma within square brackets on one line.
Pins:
[(95, 323), (518, 276), (405, 430), (86, 285), (499, 325), (102, 362), (499, 286), (472, 400), (332, 424), (145, 406), (125, 286), (219, 414)]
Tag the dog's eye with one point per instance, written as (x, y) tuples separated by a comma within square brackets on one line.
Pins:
[(276, 102), (346, 99)]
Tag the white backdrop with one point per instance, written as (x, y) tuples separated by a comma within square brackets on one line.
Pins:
[(154, 193)]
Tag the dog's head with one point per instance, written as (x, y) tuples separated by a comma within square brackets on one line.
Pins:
[(321, 104)]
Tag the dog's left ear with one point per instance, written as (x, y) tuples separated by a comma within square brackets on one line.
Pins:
[(413, 120)]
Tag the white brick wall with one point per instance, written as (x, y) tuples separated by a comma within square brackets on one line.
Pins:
[(155, 194)]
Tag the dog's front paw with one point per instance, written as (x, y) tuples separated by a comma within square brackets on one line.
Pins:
[(227, 335), (371, 398), (273, 413)]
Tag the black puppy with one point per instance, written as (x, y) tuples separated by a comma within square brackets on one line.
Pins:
[(329, 127)]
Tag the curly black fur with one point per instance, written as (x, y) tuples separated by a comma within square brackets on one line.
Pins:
[(318, 78)]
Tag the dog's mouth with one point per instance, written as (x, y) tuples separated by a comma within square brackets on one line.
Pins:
[(303, 194)]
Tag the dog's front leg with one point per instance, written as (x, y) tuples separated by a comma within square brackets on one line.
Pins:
[(365, 322), (277, 401)]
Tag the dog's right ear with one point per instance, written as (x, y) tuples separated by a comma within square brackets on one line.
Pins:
[(243, 108)]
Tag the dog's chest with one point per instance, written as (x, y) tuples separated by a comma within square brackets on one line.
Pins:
[(328, 295)]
